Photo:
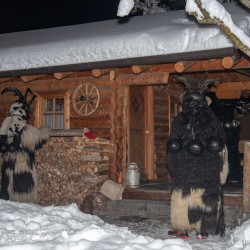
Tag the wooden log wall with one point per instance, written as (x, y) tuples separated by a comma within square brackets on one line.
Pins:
[(161, 131), (106, 122), (162, 96), (98, 122)]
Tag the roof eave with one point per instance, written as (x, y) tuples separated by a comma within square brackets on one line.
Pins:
[(119, 63)]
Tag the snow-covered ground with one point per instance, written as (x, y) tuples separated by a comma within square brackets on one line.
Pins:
[(33, 227)]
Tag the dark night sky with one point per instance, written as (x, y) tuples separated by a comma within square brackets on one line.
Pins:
[(20, 15)]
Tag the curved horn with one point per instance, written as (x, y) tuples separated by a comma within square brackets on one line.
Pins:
[(183, 80), (204, 84), (28, 90), (32, 99), (16, 91)]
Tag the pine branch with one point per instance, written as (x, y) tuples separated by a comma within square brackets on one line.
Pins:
[(207, 19)]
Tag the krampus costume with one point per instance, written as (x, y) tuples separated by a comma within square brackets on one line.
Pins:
[(18, 143), (225, 114), (197, 159)]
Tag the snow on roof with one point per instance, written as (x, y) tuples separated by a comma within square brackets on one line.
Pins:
[(141, 36)]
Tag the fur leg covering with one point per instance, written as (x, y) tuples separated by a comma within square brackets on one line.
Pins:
[(198, 210)]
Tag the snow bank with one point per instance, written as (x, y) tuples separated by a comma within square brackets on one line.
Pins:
[(32, 227)]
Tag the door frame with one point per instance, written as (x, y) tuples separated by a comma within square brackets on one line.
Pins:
[(149, 132)]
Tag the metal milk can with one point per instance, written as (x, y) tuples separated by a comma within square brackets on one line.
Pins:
[(132, 175)]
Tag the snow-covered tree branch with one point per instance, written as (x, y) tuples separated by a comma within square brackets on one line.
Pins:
[(146, 7), (207, 12), (212, 12)]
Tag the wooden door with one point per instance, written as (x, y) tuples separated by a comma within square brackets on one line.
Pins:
[(141, 140)]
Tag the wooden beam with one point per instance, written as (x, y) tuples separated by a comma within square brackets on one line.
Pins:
[(30, 78), (232, 86), (100, 72), (165, 196), (183, 66), (61, 75), (139, 194), (163, 68), (144, 79), (228, 94), (231, 90), (5, 79), (202, 65), (137, 69), (231, 61), (113, 74)]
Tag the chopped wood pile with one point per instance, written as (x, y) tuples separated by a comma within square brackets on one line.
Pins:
[(69, 168)]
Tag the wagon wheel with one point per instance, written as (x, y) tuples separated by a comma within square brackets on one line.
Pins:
[(86, 99)]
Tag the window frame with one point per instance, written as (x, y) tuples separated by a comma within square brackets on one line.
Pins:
[(42, 95)]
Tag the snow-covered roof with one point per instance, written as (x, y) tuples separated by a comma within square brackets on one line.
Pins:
[(142, 39)]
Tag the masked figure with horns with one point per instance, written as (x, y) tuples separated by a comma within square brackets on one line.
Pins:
[(197, 160), (18, 143)]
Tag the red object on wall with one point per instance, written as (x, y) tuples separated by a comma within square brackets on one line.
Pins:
[(89, 135)]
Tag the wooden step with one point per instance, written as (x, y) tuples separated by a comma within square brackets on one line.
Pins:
[(230, 198)]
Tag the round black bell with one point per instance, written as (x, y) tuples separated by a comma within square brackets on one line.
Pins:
[(174, 145), (227, 125), (214, 144), (4, 148), (12, 148), (195, 147)]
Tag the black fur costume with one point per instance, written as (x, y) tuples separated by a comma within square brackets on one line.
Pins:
[(18, 143), (225, 114), (196, 200)]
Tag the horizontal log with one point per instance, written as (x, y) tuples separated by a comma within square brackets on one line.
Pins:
[(66, 132), (231, 90), (183, 66), (30, 78), (169, 67), (161, 110), (97, 122), (165, 196), (227, 86), (143, 79), (202, 65), (231, 61), (137, 69), (117, 72), (5, 79), (61, 75), (236, 94), (100, 72), (146, 195), (160, 101)]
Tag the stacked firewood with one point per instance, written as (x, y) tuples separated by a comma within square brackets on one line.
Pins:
[(69, 168)]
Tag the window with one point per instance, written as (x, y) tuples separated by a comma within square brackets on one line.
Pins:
[(53, 109), (53, 113)]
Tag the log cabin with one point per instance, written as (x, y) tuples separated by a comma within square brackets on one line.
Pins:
[(106, 90)]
